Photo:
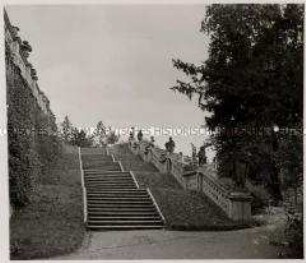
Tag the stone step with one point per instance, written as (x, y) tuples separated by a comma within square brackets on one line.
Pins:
[(121, 205), (93, 150), (124, 222), (114, 181), (116, 194), (95, 171), (107, 169), (97, 157), (113, 197), (103, 159), (119, 199), (93, 188), (122, 209), (113, 167), (108, 179), (127, 227), (101, 152), (116, 203), (103, 176), (107, 176), (119, 193), (99, 165), (138, 190), (124, 218), (122, 214), (118, 185), (110, 184), (98, 161), (101, 190), (99, 173)]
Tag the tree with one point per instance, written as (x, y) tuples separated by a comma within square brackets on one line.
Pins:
[(80, 138), (252, 81), (66, 130), (100, 133), (112, 137)]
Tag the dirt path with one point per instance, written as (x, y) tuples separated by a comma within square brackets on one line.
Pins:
[(162, 244)]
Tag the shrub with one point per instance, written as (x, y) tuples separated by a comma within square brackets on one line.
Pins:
[(32, 142), (294, 237)]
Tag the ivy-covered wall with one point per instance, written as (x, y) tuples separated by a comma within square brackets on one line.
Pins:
[(33, 144)]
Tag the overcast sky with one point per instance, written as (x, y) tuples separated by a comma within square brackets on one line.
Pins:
[(113, 63)]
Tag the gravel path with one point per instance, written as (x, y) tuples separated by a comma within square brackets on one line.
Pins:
[(162, 244)]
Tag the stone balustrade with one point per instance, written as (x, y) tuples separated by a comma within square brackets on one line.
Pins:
[(236, 204)]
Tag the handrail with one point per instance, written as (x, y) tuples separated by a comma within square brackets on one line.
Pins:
[(156, 205), (113, 157), (83, 186), (120, 164), (134, 178)]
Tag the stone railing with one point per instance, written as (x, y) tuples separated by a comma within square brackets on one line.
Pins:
[(85, 212), (236, 204)]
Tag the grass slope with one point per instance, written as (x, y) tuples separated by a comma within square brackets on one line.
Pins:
[(52, 224)]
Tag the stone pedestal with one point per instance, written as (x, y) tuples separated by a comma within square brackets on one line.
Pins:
[(240, 206)]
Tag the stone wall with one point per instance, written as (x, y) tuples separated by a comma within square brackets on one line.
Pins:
[(13, 43), (33, 145)]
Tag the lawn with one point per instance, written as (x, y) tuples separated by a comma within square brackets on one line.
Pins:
[(52, 224)]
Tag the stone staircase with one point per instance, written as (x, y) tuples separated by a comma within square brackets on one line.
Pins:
[(113, 199)]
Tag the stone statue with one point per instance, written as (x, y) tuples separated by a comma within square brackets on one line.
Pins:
[(140, 136), (170, 145), (202, 156)]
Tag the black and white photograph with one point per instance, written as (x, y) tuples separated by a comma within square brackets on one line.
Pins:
[(142, 130)]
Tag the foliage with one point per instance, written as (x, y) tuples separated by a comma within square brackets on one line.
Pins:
[(252, 81), (81, 139), (112, 137), (48, 143), (74, 136), (289, 158), (100, 133), (31, 148), (294, 237), (66, 130)]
